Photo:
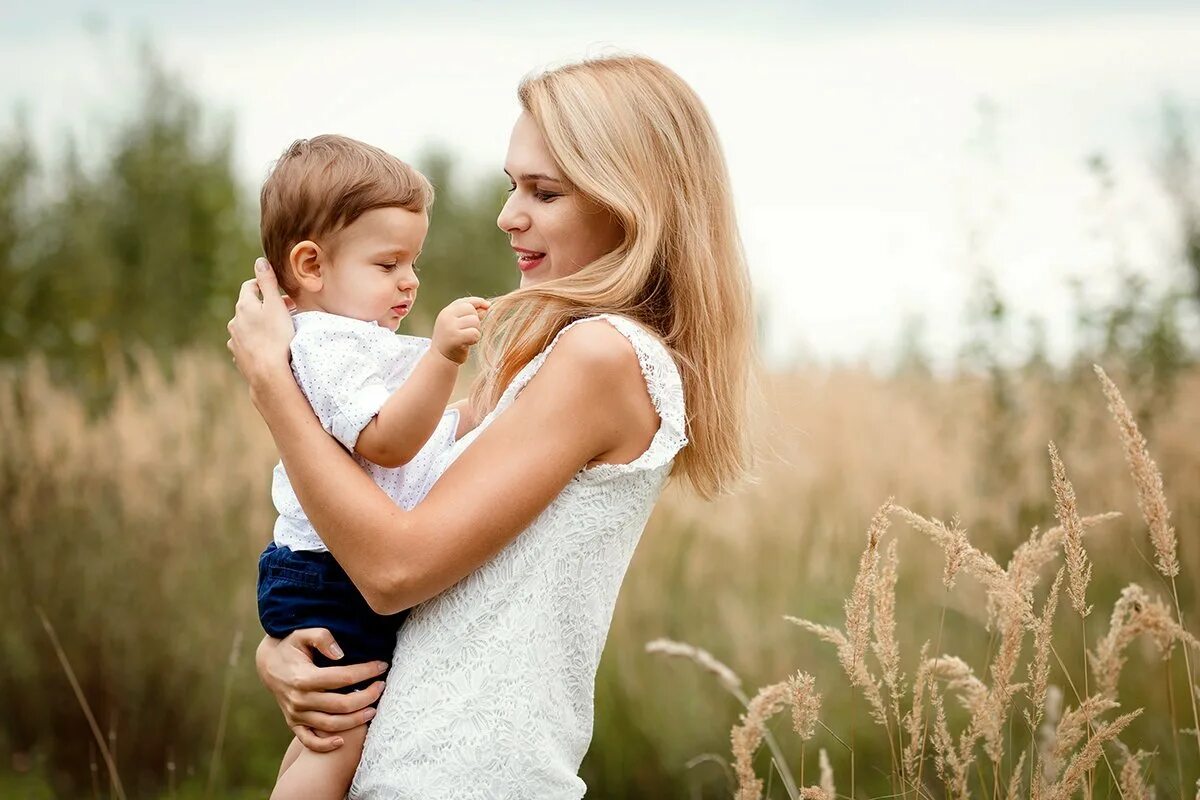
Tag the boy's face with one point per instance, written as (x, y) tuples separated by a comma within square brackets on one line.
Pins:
[(368, 272)]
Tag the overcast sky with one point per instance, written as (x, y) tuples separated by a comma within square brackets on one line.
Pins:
[(866, 140)]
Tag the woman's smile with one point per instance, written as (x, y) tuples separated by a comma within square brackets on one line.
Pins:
[(528, 259)]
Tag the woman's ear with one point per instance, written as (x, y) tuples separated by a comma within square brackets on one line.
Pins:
[(305, 262)]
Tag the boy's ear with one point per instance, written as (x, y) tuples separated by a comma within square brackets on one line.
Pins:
[(305, 263)]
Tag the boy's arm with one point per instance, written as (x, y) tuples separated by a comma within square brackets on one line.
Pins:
[(412, 413), (410, 416)]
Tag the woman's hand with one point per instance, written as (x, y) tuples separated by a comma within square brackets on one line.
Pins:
[(300, 687), (261, 329)]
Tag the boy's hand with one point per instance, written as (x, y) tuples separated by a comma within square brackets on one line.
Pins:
[(457, 326)]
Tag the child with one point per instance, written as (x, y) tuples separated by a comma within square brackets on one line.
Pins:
[(342, 225)]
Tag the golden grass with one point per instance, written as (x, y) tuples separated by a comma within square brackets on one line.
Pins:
[(137, 530), (1072, 744)]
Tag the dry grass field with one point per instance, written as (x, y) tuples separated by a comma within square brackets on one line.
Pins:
[(134, 531)]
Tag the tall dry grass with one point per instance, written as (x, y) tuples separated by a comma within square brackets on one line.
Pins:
[(136, 531), (991, 746)]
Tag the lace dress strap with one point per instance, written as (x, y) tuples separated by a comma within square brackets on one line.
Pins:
[(663, 383)]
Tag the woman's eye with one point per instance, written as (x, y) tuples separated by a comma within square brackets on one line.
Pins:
[(545, 197)]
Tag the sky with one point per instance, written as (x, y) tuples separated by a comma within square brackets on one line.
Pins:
[(881, 154)]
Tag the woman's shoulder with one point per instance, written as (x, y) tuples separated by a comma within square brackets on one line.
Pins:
[(622, 354), (602, 350)]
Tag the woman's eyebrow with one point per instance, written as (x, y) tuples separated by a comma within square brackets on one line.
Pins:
[(534, 176)]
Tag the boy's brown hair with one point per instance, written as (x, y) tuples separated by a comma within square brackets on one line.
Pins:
[(321, 185)]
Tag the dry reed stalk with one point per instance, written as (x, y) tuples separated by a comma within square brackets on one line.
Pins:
[(1079, 569), (826, 773), (105, 753), (733, 684), (1039, 666), (806, 704), (1024, 568), (1047, 770), (1073, 726), (748, 735), (914, 720), (1087, 757), (1152, 502), (223, 716), (885, 646), (703, 659), (852, 643), (814, 793), (988, 709), (1135, 613), (1131, 781), (1015, 779), (945, 758), (1151, 497), (992, 716), (962, 555)]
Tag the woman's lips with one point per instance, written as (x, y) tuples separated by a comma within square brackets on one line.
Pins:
[(528, 259)]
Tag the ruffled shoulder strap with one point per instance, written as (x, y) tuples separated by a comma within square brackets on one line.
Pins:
[(663, 383)]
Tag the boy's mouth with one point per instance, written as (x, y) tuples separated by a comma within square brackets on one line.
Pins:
[(402, 309)]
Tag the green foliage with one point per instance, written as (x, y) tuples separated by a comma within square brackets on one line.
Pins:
[(147, 248), (144, 249)]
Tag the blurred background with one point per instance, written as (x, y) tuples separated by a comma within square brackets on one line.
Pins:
[(951, 211)]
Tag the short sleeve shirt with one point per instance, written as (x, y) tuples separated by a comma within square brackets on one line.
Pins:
[(347, 369)]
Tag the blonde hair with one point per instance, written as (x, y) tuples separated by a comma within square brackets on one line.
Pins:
[(631, 135)]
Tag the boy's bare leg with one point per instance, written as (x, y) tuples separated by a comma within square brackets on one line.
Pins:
[(321, 776), (293, 752)]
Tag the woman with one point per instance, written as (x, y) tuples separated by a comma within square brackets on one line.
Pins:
[(634, 304)]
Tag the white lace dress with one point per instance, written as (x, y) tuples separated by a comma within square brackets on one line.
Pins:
[(490, 692)]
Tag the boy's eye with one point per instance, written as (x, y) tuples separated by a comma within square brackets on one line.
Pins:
[(390, 266)]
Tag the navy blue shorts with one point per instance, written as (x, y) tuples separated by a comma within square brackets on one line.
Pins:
[(308, 589)]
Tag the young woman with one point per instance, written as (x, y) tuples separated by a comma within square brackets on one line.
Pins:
[(622, 359)]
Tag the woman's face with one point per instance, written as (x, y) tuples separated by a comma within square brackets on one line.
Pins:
[(553, 228)]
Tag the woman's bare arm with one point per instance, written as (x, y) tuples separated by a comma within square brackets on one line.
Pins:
[(576, 410)]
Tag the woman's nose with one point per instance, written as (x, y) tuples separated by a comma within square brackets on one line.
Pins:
[(511, 217)]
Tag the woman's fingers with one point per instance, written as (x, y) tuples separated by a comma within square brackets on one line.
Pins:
[(335, 702), (319, 679), (332, 723), (265, 276), (315, 741), (316, 639), (249, 295)]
